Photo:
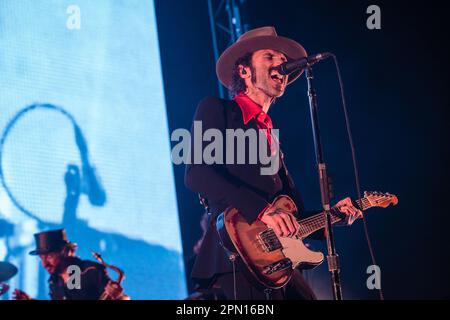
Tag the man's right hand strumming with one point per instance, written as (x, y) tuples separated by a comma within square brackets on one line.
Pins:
[(282, 222)]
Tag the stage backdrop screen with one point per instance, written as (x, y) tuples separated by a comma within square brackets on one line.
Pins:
[(85, 143)]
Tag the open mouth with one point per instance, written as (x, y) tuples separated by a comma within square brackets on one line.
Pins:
[(277, 78)]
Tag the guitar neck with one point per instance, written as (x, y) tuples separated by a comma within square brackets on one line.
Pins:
[(317, 221)]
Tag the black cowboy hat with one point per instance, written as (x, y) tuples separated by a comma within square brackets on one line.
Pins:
[(50, 241)]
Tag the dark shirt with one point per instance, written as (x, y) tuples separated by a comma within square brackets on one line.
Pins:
[(93, 281)]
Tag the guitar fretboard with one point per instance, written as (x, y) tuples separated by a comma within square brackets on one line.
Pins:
[(317, 221)]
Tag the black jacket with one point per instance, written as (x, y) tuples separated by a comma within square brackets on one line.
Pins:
[(239, 185), (93, 281)]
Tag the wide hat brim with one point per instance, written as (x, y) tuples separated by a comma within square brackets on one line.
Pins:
[(226, 63)]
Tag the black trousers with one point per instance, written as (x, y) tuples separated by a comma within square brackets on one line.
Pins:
[(236, 287)]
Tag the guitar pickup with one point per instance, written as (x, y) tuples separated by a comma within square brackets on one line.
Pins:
[(277, 266), (269, 240)]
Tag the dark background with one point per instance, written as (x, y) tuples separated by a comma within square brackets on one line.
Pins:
[(396, 82)]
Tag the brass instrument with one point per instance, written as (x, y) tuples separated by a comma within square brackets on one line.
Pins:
[(113, 289)]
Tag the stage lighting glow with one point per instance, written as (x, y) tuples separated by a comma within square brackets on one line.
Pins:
[(85, 141)]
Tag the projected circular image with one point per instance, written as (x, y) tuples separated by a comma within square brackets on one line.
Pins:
[(38, 147)]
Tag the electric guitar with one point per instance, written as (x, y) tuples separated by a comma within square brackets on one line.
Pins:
[(270, 260)]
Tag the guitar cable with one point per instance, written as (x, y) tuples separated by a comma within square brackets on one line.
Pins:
[(233, 260), (355, 165)]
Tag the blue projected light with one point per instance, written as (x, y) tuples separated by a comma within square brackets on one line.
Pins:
[(85, 142)]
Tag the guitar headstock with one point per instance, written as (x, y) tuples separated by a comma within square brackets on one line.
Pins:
[(380, 199)]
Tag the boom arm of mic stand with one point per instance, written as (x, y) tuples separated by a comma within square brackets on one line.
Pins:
[(333, 262)]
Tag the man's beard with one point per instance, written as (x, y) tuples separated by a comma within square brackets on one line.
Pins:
[(267, 86), (51, 269)]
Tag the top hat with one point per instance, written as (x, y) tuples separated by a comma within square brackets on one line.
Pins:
[(50, 241)]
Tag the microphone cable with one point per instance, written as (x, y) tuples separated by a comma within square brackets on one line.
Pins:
[(355, 165)]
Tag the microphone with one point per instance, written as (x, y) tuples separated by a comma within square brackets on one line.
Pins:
[(90, 181), (289, 67)]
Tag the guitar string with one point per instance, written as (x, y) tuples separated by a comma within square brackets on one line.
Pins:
[(313, 223), (316, 222)]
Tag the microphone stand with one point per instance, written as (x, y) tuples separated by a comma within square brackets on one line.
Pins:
[(332, 258)]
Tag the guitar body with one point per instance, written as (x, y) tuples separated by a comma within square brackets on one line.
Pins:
[(270, 260)]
